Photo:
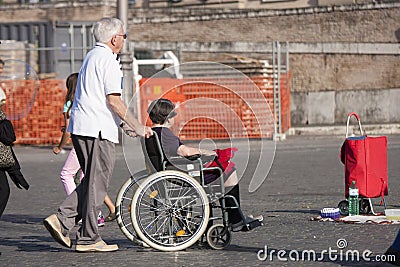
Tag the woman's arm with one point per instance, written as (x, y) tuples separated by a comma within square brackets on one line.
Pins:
[(65, 137), (7, 135)]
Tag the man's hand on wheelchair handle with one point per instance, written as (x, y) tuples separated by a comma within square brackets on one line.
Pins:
[(142, 131), (148, 131)]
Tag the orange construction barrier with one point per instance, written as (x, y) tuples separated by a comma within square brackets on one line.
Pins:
[(41, 123), (217, 108)]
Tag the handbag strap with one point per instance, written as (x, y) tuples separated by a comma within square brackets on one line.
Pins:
[(219, 163), (348, 121)]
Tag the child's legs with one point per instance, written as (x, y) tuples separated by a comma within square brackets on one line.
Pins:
[(109, 204), (70, 168)]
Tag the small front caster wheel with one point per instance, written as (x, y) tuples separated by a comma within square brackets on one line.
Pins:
[(218, 236)]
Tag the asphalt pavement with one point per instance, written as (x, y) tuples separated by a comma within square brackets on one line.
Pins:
[(306, 176)]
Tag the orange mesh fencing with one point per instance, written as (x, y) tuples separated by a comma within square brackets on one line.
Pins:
[(233, 114), (43, 121), (208, 119)]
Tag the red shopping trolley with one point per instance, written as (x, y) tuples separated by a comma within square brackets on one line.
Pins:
[(365, 161)]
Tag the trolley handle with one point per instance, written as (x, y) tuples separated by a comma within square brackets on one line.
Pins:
[(348, 121)]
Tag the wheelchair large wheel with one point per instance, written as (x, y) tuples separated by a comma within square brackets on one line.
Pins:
[(170, 211), (218, 236), (123, 206)]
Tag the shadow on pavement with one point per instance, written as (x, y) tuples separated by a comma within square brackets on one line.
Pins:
[(31, 244), (296, 211), (21, 219)]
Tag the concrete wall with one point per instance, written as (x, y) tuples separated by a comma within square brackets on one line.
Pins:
[(344, 72), (342, 59), (327, 86), (358, 24), (332, 107), (65, 11)]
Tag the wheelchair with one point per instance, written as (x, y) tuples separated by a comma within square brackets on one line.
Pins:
[(169, 207)]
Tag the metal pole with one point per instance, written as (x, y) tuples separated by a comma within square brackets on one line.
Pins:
[(123, 14), (72, 52), (179, 51), (287, 57), (274, 88), (279, 54), (84, 41), (126, 58), (287, 84)]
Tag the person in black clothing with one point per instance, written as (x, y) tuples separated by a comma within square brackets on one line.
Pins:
[(162, 113), (7, 137)]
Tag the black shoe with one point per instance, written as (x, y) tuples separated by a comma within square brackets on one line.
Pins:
[(250, 222)]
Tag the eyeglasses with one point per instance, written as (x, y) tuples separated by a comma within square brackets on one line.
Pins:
[(123, 35)]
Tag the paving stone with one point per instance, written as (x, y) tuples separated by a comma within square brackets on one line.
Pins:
[(306, 176)]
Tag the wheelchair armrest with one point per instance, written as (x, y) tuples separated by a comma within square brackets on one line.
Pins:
[(193, 157), (184, 160), (204, 158)]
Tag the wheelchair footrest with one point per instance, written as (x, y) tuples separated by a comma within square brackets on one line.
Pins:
[(250, 226)]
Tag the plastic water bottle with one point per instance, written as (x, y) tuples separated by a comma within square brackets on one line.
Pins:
[(353, 199)]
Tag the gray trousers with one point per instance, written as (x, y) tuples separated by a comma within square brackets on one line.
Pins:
[(96, 157)]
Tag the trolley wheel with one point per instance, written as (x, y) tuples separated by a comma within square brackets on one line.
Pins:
[(218, 236), (365, 208), (170, 211), (123, 206), (344, 207)]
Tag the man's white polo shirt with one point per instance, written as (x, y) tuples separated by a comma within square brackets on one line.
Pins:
[(99, 76)]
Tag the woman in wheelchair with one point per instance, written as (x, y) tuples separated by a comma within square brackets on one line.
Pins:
[(162, 113)]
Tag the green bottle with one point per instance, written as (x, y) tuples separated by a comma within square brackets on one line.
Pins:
[(353, 199)]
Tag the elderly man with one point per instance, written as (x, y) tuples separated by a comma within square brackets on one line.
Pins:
[(95, 115)]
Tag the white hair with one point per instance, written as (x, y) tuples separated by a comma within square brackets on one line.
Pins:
[(106, 28)]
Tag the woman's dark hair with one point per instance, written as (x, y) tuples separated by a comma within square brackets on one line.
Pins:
[(71, 86), (160, 110)]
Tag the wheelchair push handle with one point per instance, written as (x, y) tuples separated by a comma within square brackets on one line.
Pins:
[(359, 123), (355, 115)]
